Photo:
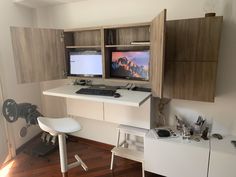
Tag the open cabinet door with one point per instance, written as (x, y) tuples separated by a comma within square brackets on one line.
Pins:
[(157, 39), (39, 54)]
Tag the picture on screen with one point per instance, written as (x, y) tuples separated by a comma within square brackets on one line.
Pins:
[(130, 64)]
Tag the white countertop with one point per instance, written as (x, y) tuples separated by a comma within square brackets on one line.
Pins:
[(128, 97), (224, 145), (178, 140)]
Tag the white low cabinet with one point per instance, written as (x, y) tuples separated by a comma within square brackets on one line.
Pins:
[(223, 158), (174, 157)]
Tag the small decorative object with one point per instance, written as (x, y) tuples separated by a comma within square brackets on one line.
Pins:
[(234, 143), (211, 14), (205, 133), (199, 125), (210, 6), (186, 132), (179, 123)]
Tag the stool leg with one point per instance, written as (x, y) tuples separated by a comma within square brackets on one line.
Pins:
[(63, 154), (143, 172), (117, 145), (65, 174), (112, 161), (118, 138)]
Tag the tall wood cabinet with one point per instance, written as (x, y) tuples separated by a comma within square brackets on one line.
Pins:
[(183, 62)]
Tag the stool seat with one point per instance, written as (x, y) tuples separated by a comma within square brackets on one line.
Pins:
[(56, 126)]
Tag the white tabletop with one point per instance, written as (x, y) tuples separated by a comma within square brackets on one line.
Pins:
[(224, 145), (128, 97), (179, 140)]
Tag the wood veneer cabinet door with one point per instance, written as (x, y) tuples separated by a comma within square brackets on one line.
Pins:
[(190, 80), (39, 54), (157, 38), (193, 39), (192, 49)]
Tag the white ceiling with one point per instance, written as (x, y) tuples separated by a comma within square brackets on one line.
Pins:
[(42, 3)]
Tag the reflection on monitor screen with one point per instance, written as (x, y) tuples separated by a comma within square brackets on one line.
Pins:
[(86, 64)]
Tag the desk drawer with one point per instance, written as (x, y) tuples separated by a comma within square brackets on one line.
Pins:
[(85, 109)]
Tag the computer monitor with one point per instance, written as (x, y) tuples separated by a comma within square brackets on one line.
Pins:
[(85, 64), (130, 64)]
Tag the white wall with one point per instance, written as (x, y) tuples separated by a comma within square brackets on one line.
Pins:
[(13, 15), (106, 12)]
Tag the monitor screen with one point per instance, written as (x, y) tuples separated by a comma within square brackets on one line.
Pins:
[(85, 64), (130, 64)]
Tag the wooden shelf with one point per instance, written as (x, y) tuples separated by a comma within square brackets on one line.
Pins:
[(128, 45), (83, 47)]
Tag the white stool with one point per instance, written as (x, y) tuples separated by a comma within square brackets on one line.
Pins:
[(58, 127), (125, 152)]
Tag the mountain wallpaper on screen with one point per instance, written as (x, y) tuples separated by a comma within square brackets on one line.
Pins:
[(130, 64)]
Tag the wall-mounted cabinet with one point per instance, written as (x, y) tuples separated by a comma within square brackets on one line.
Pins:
[(183, 53), (192, 49), (107, 40)]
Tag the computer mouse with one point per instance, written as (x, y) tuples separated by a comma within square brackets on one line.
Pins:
[(163, 133), (116, 95), (218, 136)]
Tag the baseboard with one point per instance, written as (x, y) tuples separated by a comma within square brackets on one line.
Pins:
[(91, 142)]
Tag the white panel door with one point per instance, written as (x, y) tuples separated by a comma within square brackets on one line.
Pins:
[(3, 138)]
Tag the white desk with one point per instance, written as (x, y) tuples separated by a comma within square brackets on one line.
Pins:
[(132, 108), (128, 97)]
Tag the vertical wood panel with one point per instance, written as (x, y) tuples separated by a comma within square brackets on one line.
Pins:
[(128, 35), (190, 80), (87, 38), (157, 38), (103, 54), (39, 54), (193, 39)]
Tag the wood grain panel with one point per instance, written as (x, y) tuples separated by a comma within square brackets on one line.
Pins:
[(89, 38), (190, 80), (193, 39), (103, 54), (39, 54), (128, 35), (22, 40), (157, 53)]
